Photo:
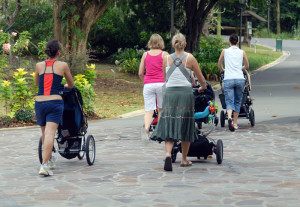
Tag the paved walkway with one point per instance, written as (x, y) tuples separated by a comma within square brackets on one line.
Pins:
[(261, 167)]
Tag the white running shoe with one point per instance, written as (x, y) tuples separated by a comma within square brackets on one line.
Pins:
[(51, 162), (45, 171)]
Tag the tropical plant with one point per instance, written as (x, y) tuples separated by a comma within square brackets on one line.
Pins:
[(22, 97), (6, 93), (90, 73), (87, 92)]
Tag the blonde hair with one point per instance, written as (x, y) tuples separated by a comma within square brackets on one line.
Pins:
[(156, 42), (178, 41)]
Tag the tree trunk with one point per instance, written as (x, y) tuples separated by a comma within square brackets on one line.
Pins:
[(72, 24), (196, 14), (219, 22), (278, 16)]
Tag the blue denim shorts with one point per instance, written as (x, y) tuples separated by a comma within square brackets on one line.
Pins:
[(49, 111), (234, 91)]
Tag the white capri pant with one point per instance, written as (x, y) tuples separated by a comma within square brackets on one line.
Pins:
[(153, 92)]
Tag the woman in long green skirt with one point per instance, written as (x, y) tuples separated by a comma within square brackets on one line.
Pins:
[(177, 122)]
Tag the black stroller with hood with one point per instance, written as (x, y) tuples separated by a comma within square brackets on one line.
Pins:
[(247, 104), (70, 135), (205, 113)]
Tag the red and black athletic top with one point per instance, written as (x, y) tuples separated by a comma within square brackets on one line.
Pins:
[(49, 83)]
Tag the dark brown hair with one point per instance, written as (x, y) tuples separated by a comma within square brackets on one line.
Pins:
[(52, 48), (233, 39)]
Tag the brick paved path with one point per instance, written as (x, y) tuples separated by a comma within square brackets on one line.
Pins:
[(261, 167)]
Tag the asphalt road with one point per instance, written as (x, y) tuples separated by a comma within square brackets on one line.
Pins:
[(276, 91)]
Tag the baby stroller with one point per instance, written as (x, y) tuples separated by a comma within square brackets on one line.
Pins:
[(205, 112), (70, 135), (154, 121), (246, 107)]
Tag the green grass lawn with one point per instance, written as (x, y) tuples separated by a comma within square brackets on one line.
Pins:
[(262, 56)]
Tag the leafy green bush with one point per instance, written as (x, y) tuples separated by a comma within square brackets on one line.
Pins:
[(126, 54), (129, 59), (87, 92), (210, 49), (90, 73), (5, 120), (131, 66), (208, 54), (24, 115)]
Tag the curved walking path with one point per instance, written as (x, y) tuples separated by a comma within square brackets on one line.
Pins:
[(261, 165)]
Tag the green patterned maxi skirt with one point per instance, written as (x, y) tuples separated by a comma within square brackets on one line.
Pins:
[(177, 121)]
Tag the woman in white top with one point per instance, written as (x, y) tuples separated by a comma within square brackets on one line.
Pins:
[(177, 118), (234, 80)]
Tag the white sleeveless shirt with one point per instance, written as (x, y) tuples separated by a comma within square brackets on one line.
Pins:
[(233, 63), (177, 78)]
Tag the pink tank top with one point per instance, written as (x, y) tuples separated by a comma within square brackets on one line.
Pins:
[(154, 69)]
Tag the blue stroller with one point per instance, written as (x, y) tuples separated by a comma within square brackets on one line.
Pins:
[(70, 135)]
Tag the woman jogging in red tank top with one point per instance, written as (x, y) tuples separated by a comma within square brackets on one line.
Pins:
[(49, 104)]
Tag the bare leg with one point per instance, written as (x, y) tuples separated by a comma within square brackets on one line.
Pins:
[(49, 133), (235, 115), (43, 133), (168, 160), (148, 120), (229, 113), (185, 149), (169, 147)]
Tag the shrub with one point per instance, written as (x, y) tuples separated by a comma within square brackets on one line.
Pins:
[(126, 54), (208, 54), (24, 115), (131, 66), (90, 73), (5, 120), (22, 97), (6, 93), (87, 92)]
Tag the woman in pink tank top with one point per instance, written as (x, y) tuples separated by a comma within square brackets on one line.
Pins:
[(152, 63)]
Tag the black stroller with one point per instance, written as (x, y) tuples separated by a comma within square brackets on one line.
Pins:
[(246, 107), (70, 135), (205, 112)]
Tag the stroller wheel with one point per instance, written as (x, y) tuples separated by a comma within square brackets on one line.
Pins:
[(90, 148), (173, 156), (81, 155), (40, 150), (252, 117), (219, 151), (216, 121), (222, 118)]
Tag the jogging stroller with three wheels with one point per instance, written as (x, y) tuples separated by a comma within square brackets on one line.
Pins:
[(70, 135)]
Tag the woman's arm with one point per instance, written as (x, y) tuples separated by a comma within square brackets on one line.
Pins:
[(68, 76), (142, 67), (220, 62), (198, 73), (246, 63), (165, 59)]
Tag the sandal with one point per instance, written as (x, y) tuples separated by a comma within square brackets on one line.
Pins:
[(187, 164), (168, 164)]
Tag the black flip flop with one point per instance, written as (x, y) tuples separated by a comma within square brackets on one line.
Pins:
[(168, 164)]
